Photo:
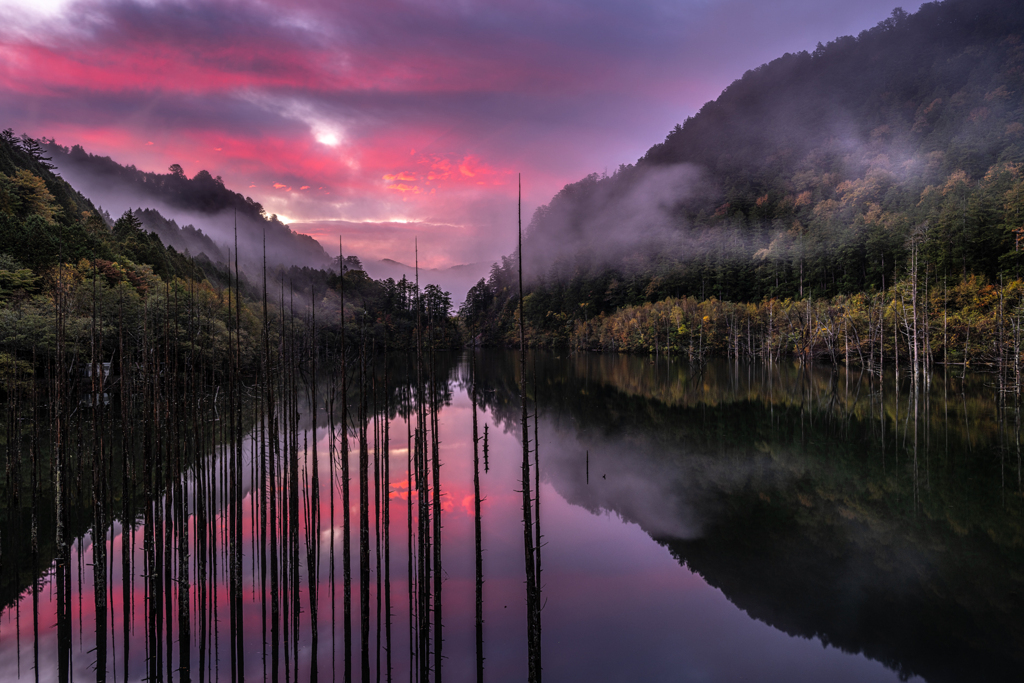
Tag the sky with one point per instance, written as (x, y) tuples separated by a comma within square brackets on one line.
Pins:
[(391, 119)]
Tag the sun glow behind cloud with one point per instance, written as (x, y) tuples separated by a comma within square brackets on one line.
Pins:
[(35, 8), (325, 136)]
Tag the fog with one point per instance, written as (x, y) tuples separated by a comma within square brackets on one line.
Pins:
[(104, 183), (631, 216)]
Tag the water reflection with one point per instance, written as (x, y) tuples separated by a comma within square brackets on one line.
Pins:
[(720, 522), (882, 522)]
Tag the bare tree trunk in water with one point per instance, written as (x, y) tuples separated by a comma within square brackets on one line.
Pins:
[(364, 524), (60, 492), (346, 540), (387, 515), (313, 554), (532, 610)]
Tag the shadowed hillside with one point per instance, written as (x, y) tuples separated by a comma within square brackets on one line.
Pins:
[(837, 171)]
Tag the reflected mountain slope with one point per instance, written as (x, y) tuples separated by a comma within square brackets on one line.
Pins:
[(810, 499)]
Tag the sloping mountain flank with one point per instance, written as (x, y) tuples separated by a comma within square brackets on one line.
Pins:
[(813, 175), (206, 210)]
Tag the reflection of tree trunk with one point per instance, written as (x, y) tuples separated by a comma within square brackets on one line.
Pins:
[(536, 499), (364, 525), (273, 457), (285, 435), (409, 535), (916, 390), (436, 476), (184, 581), (330, 566), (387, 518), (160, 596), (477, 535), (376, 505)]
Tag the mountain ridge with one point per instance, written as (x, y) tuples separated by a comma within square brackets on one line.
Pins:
[(818, 174), (202, 203)]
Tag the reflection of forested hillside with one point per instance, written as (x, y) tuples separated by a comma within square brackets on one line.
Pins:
[(17, 571), (783, 488)]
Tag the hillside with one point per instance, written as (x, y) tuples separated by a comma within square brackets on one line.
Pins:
[(193, 212), (63, 261), (814, 175), (44, 220)]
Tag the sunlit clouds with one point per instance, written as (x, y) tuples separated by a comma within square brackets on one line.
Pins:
[(358, 113)]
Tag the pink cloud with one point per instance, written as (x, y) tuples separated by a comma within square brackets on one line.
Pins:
[(444, 105)]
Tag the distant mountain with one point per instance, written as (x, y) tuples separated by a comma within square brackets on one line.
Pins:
[(456, 280), (208, 210), (44, 220)]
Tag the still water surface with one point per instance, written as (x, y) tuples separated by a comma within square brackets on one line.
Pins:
[(731, 523)]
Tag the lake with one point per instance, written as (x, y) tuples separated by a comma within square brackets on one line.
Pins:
[(726, 522)]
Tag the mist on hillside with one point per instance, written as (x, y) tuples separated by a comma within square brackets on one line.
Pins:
[(191, 229), (631, 217), (815, 169)]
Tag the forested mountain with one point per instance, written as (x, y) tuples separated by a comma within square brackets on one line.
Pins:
[(815, 175), (186, 238), (44, 221), (62, 259), (202, 206)]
